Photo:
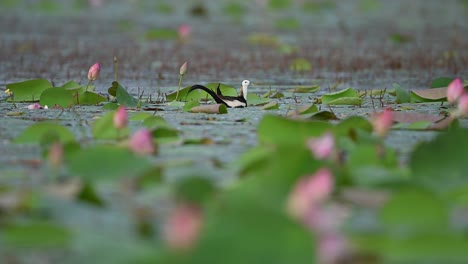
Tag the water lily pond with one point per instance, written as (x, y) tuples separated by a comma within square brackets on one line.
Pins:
[(351, 148)]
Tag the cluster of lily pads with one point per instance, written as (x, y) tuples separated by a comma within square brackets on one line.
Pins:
[(327, 189)]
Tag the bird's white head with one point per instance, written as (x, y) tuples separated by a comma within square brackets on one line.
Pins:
[(245, 86)]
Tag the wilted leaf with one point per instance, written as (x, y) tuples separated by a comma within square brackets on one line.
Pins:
[(273, 105), (28, 91), (411, 117), (35, 133), (304, 89), (428, 95), (210, 109)]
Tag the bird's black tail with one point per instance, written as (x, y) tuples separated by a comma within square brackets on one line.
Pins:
[(209, 91)]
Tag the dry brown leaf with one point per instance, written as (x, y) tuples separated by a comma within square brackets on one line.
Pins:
[(432, 94), (411, 117)]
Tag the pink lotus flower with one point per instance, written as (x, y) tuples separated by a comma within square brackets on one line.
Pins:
[(463, 105), (322, 147), (120, 118), (55, 156), (141, 142), (184, 31), (182, 227), (94, 71), (455, 90), (382, 122), (36, 106), (309, 192), (183, 68)]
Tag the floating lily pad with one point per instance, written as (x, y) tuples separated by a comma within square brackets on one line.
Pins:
[(106, 163), (123, 97), (90, 98), (161, 33), (441, 82), (304, 89), (35, 133), (36, 235), (57, 96), (103, 128), (28, 91), (344, 97)]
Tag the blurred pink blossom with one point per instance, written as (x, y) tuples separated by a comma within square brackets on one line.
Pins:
[(309, 192), (120, 118), (463, 105), (94, 71), (322, 147), (184, 31), (455, 90), (382, 122), (55, 156), (141, 142), (331, 248), (182, 227)]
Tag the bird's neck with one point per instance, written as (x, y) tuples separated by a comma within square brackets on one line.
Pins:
[(244, 91)]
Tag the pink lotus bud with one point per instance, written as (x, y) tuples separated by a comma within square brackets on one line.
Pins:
[(94, 71), (120, 118), (309, 192), (141, 142), (55, 156), (463, 105), (455, 90), (322, 147), (382, 122), (184, 31), (34, 106), (183, 226), (183, 68)]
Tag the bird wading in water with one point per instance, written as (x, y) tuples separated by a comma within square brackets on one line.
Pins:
[(229, 101)]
